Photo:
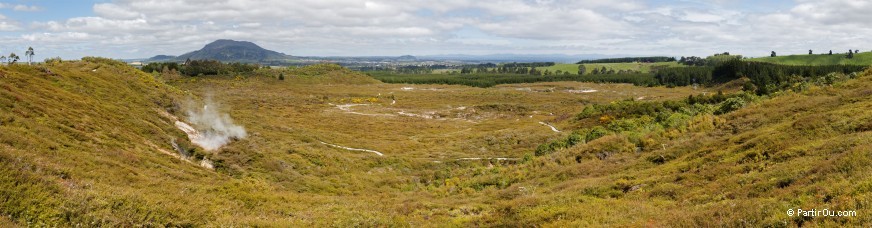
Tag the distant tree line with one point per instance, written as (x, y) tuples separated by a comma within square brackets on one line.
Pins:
[(511, 68), (762, 75), (682, 76), (604, 70), (654, 59), (533, 64), (200, 67), (713, 60), (488, 80)]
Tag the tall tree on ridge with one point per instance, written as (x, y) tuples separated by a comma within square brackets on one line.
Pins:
[(29, 53)]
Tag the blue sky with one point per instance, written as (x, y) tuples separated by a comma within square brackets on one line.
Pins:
[(52, 10), (144, 28)]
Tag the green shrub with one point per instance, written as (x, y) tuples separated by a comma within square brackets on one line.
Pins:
[(102, 60), (731, 104), (595, 133)]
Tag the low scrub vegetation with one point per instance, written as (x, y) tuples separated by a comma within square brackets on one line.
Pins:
[(83, 143), (489, 80)]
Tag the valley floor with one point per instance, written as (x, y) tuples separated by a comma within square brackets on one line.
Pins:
[(332, 153)]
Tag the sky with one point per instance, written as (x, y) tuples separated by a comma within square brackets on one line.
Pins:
[(127, 29)]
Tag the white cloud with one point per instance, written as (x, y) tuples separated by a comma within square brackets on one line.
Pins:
[(391, 27), (19, 7), (26, 8), (113, 11), (838, 12), (7, 25)]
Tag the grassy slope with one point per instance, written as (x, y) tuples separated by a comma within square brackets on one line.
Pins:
[(82, 147), (79, 139), (863, 58), (85, 145), (809, 150)]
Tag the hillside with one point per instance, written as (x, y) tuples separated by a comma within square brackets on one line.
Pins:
[(97, 143), (806, 150), (81, 140), (863, 58), (233, 51)]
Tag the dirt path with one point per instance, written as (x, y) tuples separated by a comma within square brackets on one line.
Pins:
[(551, 126), (498, 159), (478, 159), (352, 149), (581, 91), (347, 109)]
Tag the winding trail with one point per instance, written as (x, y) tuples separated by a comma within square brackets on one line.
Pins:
[(352, 149), (498, 159), (347, 109), (404, 113), (581, 91), (551, 126), (479, 159)]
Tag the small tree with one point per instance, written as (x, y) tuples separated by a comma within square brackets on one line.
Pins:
[(282, 76), (850, 54), (2, 59), (809, 52), (581, 69), (29, 53), (831, 52), (13, 58), (773, 54)]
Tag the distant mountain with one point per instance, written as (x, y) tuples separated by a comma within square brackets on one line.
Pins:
[(233, 51), (160, 58)]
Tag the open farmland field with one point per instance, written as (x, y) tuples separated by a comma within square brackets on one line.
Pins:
[(863, 58)]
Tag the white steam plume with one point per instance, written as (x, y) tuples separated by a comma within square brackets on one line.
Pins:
[(213, 129)]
